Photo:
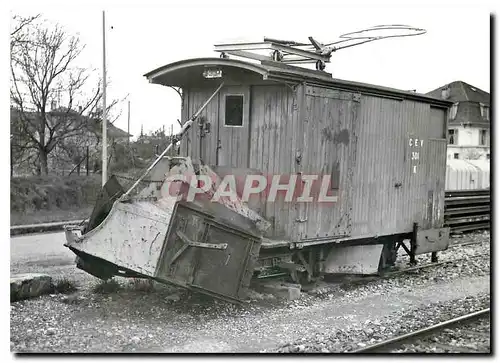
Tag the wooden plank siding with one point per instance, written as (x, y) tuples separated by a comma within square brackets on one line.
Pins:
[(367, 142), (274, 115), (329, 145), (388, 131)]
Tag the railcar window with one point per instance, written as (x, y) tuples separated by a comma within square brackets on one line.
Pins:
[(234, 110)]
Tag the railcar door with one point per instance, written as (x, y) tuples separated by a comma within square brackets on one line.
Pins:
[(435, 160), (233, 130), (435, 155), (329, 144)]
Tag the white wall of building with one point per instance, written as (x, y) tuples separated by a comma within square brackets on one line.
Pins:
[(468, 145), (468, 152)]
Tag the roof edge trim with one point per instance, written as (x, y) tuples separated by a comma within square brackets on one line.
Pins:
[(210, 62)]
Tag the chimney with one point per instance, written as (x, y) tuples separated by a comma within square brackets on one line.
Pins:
[(80, 109), (445, 92), (52, 105)]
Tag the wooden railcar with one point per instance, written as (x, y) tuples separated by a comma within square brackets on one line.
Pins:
[(384, 149)]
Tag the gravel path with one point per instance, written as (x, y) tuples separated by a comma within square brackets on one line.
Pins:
[(172, 320)]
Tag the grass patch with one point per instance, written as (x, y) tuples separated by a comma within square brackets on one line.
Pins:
[(143, 285), (64, 286), (106, 287), (47, 216), (50, 198)]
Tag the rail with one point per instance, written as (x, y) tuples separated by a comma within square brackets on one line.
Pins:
[(389, 343), (467, 210)]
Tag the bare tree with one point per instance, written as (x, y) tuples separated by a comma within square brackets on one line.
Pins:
[(43, 75), (17, 36)]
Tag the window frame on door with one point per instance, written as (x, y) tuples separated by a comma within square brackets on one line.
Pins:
[(242, 108)]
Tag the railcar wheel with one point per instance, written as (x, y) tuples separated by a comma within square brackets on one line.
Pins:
[(308, 261), (301, 277)]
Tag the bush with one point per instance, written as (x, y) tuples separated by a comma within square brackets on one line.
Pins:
[(64, 286), (144, 285), (106, 287), (29, 194)]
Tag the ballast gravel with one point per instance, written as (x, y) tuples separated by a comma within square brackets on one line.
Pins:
[(365, 333), (333, 317), (472, 337)]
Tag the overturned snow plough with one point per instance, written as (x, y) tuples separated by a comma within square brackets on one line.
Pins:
[(282, 171)]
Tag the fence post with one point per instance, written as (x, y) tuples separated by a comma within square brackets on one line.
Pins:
[(87, 162)]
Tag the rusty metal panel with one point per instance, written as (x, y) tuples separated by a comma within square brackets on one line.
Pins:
[(203, 253), (432, 240), (131, 236)]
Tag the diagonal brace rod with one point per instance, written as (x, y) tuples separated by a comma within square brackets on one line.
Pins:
[(177, 137)]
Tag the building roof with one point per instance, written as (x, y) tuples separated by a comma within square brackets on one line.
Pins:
[(461, 91), (189, 73)]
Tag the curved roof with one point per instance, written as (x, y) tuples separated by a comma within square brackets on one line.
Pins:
[(204, 62), (189, 73)]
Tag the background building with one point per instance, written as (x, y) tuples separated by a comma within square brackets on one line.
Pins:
[(469, 122)]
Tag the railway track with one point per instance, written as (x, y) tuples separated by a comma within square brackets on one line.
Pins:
[(467, 210), (357, 279), (457, 335)]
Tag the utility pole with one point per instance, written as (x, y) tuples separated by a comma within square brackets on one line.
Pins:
[(11, 158), (87, 165), (104, 123), (128, 125)]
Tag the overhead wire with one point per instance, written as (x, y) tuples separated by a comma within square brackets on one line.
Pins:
[(357, 37)]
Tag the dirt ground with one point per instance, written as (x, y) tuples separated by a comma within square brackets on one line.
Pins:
[(172, 320)]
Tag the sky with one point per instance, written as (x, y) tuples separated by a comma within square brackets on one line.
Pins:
[(143, 36)]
